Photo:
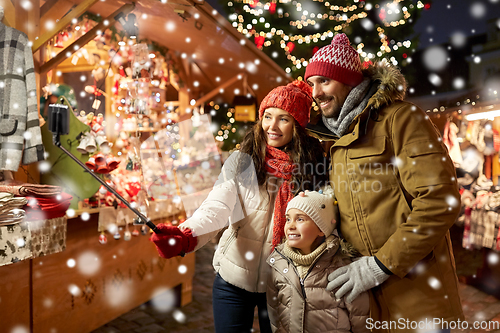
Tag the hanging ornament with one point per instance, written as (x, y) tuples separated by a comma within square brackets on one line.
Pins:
[(135, 232), (130, 165), (59, 41), (290, 46), (315, 49), (272, 8), (102, 238), (259, 41), (144, 230), (127, 235), (117, 235)]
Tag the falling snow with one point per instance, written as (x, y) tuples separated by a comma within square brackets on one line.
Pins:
[(88, 263), (435, 58), (434, 283), (163, 300)]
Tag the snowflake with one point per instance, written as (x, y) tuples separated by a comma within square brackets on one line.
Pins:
[(434, 283)]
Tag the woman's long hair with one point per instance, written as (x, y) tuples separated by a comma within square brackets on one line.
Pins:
[(305, 152)]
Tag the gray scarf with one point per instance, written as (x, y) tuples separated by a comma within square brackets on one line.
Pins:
[(354, 104)]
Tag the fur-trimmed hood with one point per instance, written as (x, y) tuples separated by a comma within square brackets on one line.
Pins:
[(391, 83)]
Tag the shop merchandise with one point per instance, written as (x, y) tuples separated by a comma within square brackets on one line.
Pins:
[(45, 208), (11, 211), (15, 243), (26, 189), (48, 236), (20, 137), (450, 139)]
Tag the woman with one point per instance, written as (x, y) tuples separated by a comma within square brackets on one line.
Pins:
[(285, 160)]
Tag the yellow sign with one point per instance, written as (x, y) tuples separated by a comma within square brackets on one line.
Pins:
[(244, 112)]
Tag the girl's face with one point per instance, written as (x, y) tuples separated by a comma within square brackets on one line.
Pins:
[(278, 127), (301, 231)]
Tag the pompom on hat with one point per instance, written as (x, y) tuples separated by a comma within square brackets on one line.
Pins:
[(338, 61), (295, 98), (320, 206)]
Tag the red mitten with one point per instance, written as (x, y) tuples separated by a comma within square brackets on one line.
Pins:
[(171, 241)]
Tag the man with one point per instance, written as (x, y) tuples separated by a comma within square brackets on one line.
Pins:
[(396, 190)]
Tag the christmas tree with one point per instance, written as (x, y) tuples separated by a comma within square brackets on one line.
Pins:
[(290, 32)]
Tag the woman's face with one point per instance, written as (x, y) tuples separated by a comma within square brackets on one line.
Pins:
[(278, 127)]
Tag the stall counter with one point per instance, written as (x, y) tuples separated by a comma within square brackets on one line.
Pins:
[(89, 284)]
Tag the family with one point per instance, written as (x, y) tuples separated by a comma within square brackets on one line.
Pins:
[(332, 251)]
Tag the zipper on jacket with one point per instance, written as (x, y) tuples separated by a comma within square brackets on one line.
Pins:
[(308, 271), (230, 240), (261, 251), (302, 287), (296, 271)]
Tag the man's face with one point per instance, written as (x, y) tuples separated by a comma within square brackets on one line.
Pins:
[(329, 94)]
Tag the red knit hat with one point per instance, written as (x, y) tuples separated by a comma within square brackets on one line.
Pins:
[(295, 98), (338, 61)]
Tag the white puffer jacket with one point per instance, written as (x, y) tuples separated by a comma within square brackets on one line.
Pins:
[(241, 256)]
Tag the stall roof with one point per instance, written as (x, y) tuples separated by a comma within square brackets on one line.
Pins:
[(212, 51)]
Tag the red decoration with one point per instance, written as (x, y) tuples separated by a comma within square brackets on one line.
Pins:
[(405, 55), (253, 3), (103, 239), (272, 8), (259, 41), (315, 49), (381, 15), (366, 64), (427, 6), (290, 46), (59, 41)]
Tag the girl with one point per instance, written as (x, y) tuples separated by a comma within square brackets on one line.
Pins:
[(283, 156), (297, 297)]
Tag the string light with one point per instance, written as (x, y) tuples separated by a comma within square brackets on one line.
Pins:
[(391, 14)]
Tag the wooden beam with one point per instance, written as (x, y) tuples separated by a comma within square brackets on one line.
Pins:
[(90, 35), (47, 6), (212, 83), (63, 23), (183, 75), (54, 14), (9, 17), (216, 91)]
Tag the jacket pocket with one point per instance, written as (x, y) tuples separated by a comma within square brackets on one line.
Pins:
[(373, 147), (425, 153), (421, 148), (8, 126), (232, 237)]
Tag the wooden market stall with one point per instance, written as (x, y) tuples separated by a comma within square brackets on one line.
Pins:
[(213, 62)]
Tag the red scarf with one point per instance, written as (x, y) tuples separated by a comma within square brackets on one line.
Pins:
[(279, 164)]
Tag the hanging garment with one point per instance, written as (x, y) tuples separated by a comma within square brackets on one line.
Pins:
[(20, 136), (454, 145)]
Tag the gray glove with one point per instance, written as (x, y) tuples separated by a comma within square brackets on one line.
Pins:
[(355, 278)]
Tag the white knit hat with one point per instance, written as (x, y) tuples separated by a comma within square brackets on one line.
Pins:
[(319, 206)]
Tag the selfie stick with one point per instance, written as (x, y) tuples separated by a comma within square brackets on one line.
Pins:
[(59, 124)]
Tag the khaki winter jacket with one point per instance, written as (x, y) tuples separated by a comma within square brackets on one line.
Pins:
[(397, 197), (240, 258), (306, 306)]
